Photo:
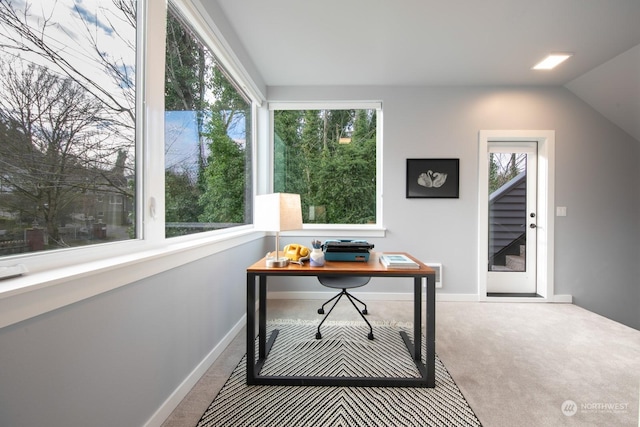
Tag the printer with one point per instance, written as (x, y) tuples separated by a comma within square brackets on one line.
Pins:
[(346, 250)]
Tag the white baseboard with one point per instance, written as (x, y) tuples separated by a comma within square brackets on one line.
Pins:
[(558, 299), (371, 296), (172, 402), (407, 296), (567, 299), (456, 297)]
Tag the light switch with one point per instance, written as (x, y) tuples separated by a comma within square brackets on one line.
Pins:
[(561, 211)]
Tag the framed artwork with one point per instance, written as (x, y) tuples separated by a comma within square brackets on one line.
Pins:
[(433, 178)]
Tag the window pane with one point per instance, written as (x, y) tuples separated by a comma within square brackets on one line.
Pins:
[(507, 211), (329, 158), (67, 123), (207, 139)]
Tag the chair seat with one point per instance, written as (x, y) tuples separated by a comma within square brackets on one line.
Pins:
[(343, 282)]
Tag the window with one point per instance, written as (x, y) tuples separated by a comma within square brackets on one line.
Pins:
[(207, 138), (330, 157), (87, 176), (67, 122), (73, 65)]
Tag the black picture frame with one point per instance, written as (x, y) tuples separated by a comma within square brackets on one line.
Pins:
[(433, 178)]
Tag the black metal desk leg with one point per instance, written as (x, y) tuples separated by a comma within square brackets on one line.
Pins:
[(431, 329), (262, 318), (251, 327), (417, 319)]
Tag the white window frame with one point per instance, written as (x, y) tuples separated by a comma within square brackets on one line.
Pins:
[(57, 278), (328, 230)]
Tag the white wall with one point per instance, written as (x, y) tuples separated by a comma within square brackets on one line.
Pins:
[(596, 249)]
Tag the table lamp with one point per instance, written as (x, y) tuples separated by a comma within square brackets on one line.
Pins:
[(277, 212)]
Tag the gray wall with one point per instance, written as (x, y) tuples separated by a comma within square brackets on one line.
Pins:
[(596, 244), (113, 359)]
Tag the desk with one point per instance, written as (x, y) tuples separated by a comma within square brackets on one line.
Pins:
[(372, 268)]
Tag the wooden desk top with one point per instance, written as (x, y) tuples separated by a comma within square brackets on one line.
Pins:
[(373, 267)]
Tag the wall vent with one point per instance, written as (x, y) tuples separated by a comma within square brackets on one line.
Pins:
[(438, 268)]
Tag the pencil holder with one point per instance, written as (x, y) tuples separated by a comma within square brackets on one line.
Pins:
[(316, 259)]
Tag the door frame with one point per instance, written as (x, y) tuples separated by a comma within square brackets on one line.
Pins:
[(545, 206)]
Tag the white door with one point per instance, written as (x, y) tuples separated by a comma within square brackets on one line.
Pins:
[(511, 186)]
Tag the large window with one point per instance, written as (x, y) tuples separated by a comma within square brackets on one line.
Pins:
[(67, 123), (207, 138), (83, 156), (69, 132), (329, 157)]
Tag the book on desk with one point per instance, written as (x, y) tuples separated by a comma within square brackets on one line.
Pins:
[(398, 261)]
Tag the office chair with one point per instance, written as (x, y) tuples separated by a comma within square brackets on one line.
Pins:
[(344, 283)]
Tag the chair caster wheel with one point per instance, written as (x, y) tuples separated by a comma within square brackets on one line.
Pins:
[(318, 335), (320, 311), (370, 336), (365, 311)]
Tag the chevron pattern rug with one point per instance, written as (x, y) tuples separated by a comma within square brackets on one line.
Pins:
[(344, 350)]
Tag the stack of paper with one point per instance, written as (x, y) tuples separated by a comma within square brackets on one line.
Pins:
[(398, 261)]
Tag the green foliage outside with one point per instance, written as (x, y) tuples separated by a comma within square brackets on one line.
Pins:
[(216, 196), (329, 158), (225, 177), (326, 156)]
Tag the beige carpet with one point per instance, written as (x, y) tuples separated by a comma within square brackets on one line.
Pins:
[(522, 364), (516, 364)]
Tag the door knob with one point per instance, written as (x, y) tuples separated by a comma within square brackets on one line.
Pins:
[(532, 226)]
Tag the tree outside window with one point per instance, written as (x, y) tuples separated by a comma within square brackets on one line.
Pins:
[(68, 127), (67, 123), (207, 138), (328, 156)]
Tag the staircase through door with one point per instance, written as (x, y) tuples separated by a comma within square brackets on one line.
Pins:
[(511, 187)]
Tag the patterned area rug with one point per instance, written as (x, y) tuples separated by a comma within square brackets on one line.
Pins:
[(344, 350)]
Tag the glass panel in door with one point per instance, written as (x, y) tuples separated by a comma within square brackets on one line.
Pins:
[(507, 211)]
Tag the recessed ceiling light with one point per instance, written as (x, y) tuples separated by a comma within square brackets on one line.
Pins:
[(551, 61)]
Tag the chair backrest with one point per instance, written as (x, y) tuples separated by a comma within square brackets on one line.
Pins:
[(343, 282)]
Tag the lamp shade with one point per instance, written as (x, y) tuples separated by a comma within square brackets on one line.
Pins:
[(277, 212)]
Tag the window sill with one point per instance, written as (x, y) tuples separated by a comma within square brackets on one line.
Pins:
[(39, 292), (337, 231)]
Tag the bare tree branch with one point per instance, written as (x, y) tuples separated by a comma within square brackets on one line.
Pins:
[(21, 36)]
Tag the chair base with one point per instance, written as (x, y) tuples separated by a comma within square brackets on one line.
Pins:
[(352, 299), (321, 311), (319, 336)]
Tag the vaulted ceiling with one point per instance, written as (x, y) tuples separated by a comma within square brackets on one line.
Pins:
[(453, 42)]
